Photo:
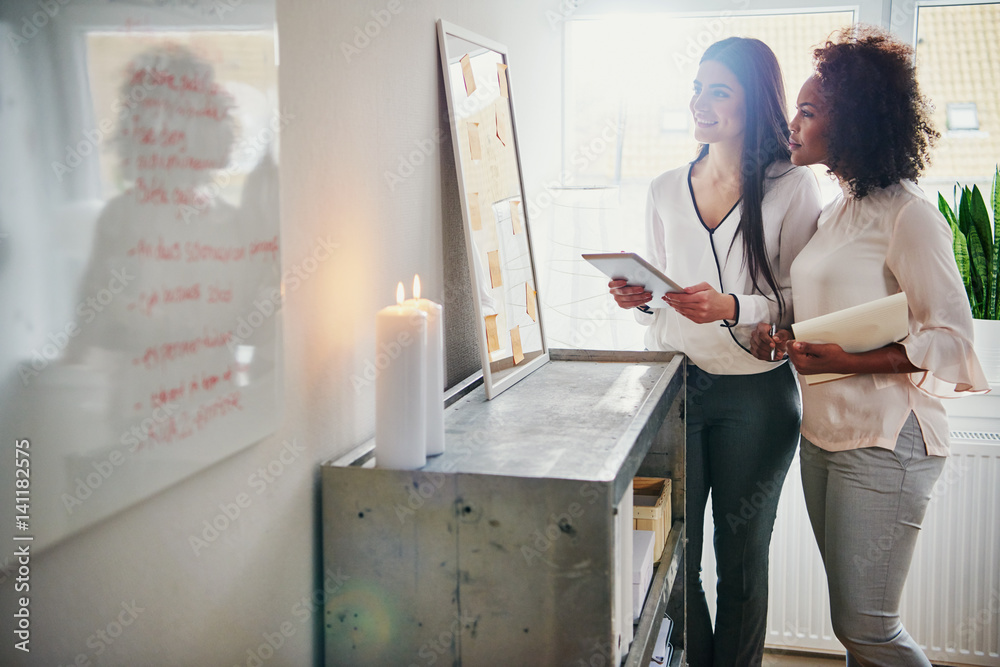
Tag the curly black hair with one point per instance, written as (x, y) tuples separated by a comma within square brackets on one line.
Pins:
[(880, 129)]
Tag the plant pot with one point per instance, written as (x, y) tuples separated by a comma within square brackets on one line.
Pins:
[(987, 345)]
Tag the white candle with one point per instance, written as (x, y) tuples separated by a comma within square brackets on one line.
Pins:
[(400, 404), (435, 368)]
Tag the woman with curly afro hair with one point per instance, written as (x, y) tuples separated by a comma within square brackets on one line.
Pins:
[(873, 443)]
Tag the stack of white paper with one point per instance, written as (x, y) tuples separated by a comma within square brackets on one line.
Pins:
[(662, 650), (868, 326)]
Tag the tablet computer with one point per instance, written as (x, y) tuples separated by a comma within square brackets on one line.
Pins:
[(637, 271)]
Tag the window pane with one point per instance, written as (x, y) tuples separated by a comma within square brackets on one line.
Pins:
[(633, 79), (627, 87), (958, 64)]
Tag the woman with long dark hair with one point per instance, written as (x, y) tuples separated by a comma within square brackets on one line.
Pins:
[(873, 443), (728, 225)]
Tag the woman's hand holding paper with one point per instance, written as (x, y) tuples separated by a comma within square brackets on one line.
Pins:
[(813, 358)]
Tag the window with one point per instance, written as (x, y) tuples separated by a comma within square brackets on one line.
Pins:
[(958, 65), (632, 79), (627, 87), (962, 116)]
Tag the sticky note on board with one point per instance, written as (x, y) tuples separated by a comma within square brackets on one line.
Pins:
[(515, 343), (493, 258), (492, 337), (515, 216), (475, 215), (502, 78), (475, 148), (501, 127), (529, 299), (470, 80)]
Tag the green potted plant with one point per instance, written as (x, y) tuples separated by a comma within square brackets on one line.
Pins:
[(976, 243)]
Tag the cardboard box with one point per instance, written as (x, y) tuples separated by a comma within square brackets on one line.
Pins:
[(642, 569), (651, 509)]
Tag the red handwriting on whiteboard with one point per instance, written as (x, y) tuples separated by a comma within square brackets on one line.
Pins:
[(187, 423), (148, 300), (165, 252), (206, 382), (144, 135), (184, 83), (172, 351), (165, 396), (172, 137), (191, 197), (199, 382), (150, 193), (193, 251), (158, 103), (177, 427), (201, 252), (153, 193), (181, 294), (219, 295), (166, 162), (150, 136), (209, 111), (263, 247), (218, 408)]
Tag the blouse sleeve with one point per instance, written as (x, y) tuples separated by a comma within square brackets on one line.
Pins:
[(920, 256), (656, 250), (797, 226)]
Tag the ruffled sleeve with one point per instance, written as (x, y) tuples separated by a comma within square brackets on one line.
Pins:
[(940, 338)]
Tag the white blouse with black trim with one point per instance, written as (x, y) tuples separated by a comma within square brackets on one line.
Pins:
[(683, 247)]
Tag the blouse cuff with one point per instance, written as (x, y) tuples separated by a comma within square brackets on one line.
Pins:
[(951, 367), (736, 315)]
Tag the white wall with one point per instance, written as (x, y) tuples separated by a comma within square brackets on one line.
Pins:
[(350, 123)]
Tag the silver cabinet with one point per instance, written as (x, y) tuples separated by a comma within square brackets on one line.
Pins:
[(501, 550)]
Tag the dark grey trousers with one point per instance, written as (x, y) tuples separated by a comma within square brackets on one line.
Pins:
[(742, 431)]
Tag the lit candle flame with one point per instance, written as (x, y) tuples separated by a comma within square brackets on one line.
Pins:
[(400, 294), (416, 286)]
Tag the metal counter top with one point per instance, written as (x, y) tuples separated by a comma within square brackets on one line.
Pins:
[(585, 415)]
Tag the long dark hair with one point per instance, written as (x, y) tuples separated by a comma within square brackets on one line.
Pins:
[(765, 140)]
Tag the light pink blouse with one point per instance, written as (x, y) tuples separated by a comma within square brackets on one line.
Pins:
[(892, 240)]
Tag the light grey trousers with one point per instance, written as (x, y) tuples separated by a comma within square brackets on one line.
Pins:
[(866, 506)]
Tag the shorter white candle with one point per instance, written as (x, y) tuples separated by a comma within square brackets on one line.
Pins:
[(400, 402), (435, 368)]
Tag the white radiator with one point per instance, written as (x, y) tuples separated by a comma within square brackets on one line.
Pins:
[(951, 603)]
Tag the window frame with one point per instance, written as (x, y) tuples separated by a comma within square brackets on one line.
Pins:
[(903, 15), (866, 11)]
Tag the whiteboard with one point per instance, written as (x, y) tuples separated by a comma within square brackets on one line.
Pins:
[(140, 278)]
